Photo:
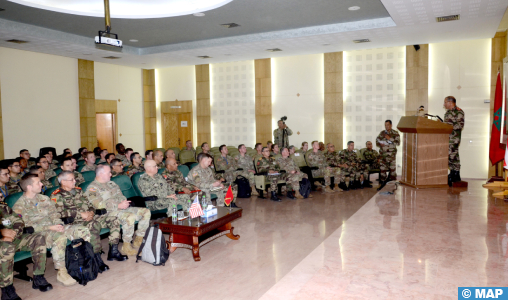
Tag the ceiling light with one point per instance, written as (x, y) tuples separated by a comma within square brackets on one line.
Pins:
[(16, 41), (87, 53), (134, 41), (448, 18), (361, 41), (199, 14), (112, 57), (326, 44), (2, 9), (274, 50), (354, 8), (230, 25), (227, 54), (204, 56)]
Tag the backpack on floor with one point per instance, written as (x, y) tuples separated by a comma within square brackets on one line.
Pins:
[(305, 187), (153, 250), (80, 261), (244, 189)]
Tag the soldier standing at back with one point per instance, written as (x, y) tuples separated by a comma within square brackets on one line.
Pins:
[(455, 117), (387, 141), (271, 168), (281, 134)]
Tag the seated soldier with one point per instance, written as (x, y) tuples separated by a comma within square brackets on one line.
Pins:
[(105, 194), (320, 168), (67, 165), (73, 207), (15, 176), (43, 162), (136, 166), (74, 163), (304, 149), (269, 145), (352, 167), (102, 156), (4, 180), (333, 160), (39, 212), (97, 152), (246, 167), (291, 150), (293, 175), (188, 146), (89, 162), (170, 153), (275, 150), (46, 184), (128, 153), (12, 240), (203, 178), (109, 158), (23, 165), (153, 184), (120, 148), (205, 148), (226, 164), (157, 157), (371, 156), (149, 154), (26, 155), (258, 147), (267, 166), (82, 152), (116, 168), (321, 146), (53, 163), (174, 177)]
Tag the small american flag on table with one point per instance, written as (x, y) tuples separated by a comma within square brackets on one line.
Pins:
[(195, 209)]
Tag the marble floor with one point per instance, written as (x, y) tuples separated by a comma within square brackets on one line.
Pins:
[(352, 245)]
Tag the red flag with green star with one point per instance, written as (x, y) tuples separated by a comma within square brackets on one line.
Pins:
[(496, 151)]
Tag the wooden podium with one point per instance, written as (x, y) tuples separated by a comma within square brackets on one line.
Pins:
[(424, 152)]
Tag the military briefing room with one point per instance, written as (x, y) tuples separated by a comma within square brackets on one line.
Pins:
[(253, 149)]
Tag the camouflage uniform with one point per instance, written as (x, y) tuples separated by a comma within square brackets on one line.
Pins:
[(388, 152), (89, 168), (157, 186), (228, 165), (204, 179), (132, 169), (176, 181), (108, 195), (49, 173), (124, 159), (317, 159), (245, 163), (354, 166), (101, 161), (161, 165), (73, 203), (264, 165), (35, 243), (40, 213), (54, 164), (79, 178), (280, 138), (293, 180), (454, 117), (30, 163), (12, 185), (372, 158), (4, 192), (114, 174), (333, 160), (256, 156)]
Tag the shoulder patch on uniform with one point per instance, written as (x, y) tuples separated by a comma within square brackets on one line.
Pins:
[(165, 176), (77, 187), (260, 158), (53, 199), (56, 192), (92, 189)]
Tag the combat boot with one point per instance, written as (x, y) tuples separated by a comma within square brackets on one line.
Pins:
[(114, 254), (298, 195), (102, 266), (254, 191), (351, 185), (366, 184), (343, 186), (40, 283), (9, 293), (64, 278), (274, 197), (457, 176), (290, 195), (328, 190), (128, 250), (137, 241), (450, 179), (357, 184)]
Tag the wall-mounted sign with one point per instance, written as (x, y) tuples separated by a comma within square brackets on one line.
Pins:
[(183, 123), (176, 107)]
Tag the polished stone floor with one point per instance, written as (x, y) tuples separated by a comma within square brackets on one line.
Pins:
[(353, 245)]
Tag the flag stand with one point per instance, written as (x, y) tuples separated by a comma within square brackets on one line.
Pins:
[(498, 177)]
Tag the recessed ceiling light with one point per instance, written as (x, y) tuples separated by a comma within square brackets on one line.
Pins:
[(87, 53), (326, 44), (361, 41), (227, 54), (448, 18), (111, 57), (17, 41), (230, 25), (274, 50), (354, 8), (134, 41), (198, 14), (204, 56)]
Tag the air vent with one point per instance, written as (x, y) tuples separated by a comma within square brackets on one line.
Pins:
[(230, 25), (448, 18), (362, 41), (274, 50), (111, 57), (17, 41), (2, 9), (204, 56)]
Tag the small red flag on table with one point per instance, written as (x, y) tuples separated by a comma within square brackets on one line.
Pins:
[(229, 196), (195, 209)]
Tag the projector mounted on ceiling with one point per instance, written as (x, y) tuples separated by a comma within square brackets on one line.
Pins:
[(106, 40)]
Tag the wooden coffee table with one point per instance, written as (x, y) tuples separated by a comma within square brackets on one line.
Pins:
[(190, 235)]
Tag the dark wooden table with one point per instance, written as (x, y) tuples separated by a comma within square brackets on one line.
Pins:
[(191, 235)]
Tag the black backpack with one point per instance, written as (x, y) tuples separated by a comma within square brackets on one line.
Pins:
[(305, 187), (80, 261), (244, 189)]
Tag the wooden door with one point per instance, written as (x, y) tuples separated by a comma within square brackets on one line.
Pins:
[(176, 123), (171, 130), (105, 131), (184, 132)]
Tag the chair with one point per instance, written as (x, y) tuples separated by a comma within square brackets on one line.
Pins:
[(13, 198), (262, 183), (277, 156), (160, 170), (125, 168), (371, 171), (50, 191), (125, 184), (97, 160), (177, 152), (79, 168), (135, 180), (299, 160), (54, 180), (58, 171), (187, 156), (184, 170), (193, 165), (85, 185), (80, 163), (44, 150), (89, 175)]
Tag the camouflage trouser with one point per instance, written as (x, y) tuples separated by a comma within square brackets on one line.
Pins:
[(248, 175), (128, 217), (293, 180), (372, 165), (221, 194), (182, 199), (326, 173), (274, 180), (453, 156), (95, 226), (388, 163), (57, 241), (354, 172), (35, 243)]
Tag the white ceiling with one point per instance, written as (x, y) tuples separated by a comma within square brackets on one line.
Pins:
[(412, 22)]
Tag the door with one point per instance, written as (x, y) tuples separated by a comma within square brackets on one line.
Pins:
[(185, 128), (105, 131), (177, 129)]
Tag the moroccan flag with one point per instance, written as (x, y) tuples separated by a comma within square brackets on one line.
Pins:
[(229, 196), (496, 152)]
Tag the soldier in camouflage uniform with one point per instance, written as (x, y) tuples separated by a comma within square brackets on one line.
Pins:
[(226, 163), (90, 162), (333, 160), (75, 208), (43, 162), (258, 147), (158, 156), (371, 156), (105, 194), (293, 175), (352, 167), (26, 155), (120, 148), (387, 141), (39, 212), (117, 168), (271, 168), (174, 177), (67, 165), (244, 162), (455, 117), (4, 179), (15, 177), (316, 159), (136, 166), (203, 178), (153, 184), (281, 134), (37, 170)]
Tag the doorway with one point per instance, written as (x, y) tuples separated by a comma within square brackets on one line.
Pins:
[(176, 123), (106, 131)]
